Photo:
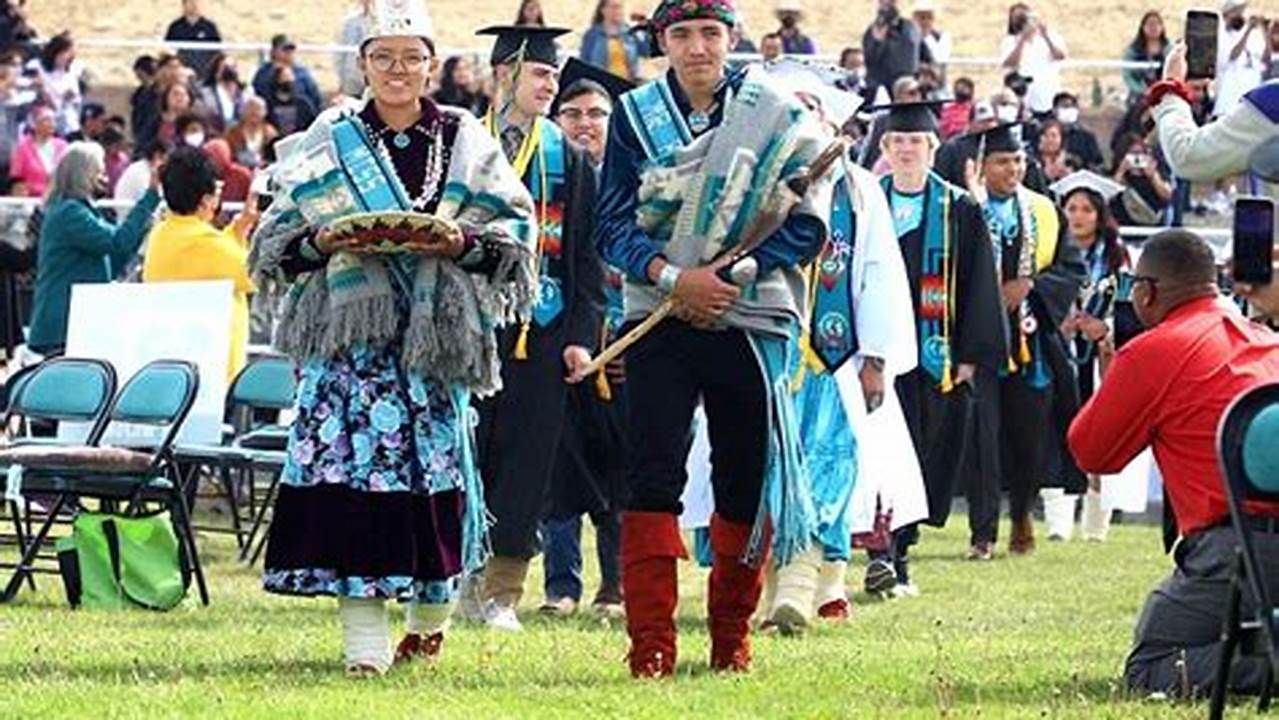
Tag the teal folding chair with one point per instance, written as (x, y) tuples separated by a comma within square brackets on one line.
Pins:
[(57, 390), (159, 395), (1248, 452), (264, 388)]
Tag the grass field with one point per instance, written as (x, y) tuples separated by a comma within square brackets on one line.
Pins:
[(1043, 636)]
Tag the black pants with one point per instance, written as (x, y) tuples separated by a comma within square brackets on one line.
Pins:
[(667, 372), (1179, 630), (517, 438), (1019, 419)]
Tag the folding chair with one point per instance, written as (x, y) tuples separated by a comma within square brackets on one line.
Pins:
[(267, 384), (160, 395), (1248, 451), (56, 390)]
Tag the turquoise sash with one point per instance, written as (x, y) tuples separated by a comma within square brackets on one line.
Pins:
[(934, 300), (655, 118), (833, 329), (550, 302)]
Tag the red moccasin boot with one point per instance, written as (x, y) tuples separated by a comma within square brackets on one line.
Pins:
[(651, 547), (734, 591)]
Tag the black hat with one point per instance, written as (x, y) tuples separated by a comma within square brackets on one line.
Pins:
[(1264, 160), (538, 43), (919, 116), (1003, 138), (283, 42), (575, 73)]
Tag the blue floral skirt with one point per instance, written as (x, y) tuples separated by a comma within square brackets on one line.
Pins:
[(379, 490)]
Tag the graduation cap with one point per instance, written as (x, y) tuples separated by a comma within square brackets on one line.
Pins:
[(1086, 180), (915, 116), (537, 43), (576, 71), (1003, 138)]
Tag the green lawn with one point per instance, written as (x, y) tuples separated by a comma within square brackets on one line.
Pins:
[(1043, 636)]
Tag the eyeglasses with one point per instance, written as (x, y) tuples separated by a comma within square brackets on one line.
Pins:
[(1146, 279), (574, 114), (384, 61)]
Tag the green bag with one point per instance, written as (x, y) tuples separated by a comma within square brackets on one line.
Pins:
[(116, 562)]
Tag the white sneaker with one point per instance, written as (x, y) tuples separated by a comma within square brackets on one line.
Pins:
[(905, 590), (502, 617)]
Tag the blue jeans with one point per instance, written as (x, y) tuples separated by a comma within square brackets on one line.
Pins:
[(562, 555)]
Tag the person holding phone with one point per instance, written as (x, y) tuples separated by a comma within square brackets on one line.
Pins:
[(1220, 148), (1241, 43), (1167, 389)]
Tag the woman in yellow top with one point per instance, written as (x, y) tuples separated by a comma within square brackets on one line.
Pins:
[(187, 246)]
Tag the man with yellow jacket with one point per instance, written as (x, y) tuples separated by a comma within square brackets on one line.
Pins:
[(187, 246)]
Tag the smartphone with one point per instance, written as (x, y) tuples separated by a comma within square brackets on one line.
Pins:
[(1201, 44), (1254, 240)]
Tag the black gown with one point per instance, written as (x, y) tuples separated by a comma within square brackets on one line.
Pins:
[(942, 426), (520, 428), (1033, 420)]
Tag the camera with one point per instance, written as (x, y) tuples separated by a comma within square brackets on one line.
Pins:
[(1138, 161)]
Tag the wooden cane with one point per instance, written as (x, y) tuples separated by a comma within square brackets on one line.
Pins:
[(763, 228)]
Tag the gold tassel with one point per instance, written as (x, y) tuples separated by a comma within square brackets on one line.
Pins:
[(947, 384), (521, 344), (1025, 350), (602, 388)]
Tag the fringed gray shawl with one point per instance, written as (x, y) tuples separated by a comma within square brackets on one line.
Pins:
[(351, 301)]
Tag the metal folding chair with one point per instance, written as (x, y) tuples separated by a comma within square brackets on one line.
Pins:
[(1248, 451), (266, 385), (160, 395), (57, 390)]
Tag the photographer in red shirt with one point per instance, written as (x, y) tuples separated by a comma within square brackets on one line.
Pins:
[(1168, 389)]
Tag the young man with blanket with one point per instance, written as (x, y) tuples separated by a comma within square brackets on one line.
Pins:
[(960, 331), (1036, 395), (670, 214), (520, 427)]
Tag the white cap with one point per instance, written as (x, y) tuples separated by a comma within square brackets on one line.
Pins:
[(1103, 186), (398, 18), (1231, 5), (817, 80), (924, 6), (788, 6)]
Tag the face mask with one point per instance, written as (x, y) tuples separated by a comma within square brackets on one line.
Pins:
[(788, 22), (1068, 115), (193, 139), (963, 95), (1018, 24), (228, 75), (1235, 23), (888, 15), (1006, 113), (284, 88)]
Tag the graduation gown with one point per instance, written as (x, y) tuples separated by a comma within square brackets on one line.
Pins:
[(942, 424), (590, 470), (1048, 369), (888, 472), (955, 152), (520, 427)]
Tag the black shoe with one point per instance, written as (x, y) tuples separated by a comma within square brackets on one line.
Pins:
[(880, 578)]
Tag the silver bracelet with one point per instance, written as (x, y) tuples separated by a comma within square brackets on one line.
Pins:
[(668, 277)]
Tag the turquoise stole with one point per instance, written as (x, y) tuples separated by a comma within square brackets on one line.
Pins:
[(832, 332), (934, 310), (549, 202), (655, 118)]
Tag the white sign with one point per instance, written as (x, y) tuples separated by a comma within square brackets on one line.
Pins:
[(131, 324)]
